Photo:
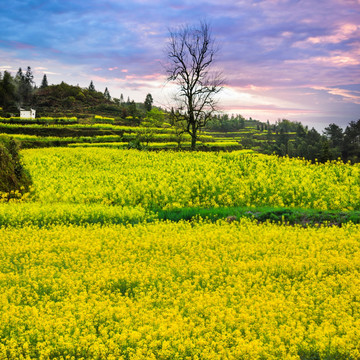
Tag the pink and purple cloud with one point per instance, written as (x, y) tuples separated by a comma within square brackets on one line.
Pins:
[(282, 58)]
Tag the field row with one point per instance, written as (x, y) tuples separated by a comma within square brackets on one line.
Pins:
[(125, 137), (159, 130)]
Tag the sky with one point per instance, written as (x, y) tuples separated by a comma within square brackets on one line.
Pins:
[(292, 59)]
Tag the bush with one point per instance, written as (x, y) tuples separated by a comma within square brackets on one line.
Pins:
[(14, 179)]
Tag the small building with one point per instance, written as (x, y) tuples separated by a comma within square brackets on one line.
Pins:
[(27, 114)]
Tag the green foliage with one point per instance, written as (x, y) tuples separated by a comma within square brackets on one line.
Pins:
[(225, 124), (107, 94), (304, 217), (148, 102), (351, 147), (135, 144), (14, 179), (80, 96), (132, 109), (25, 86), (72, 100), (44, 82), (7, 92), (91, 86), (155, 117)]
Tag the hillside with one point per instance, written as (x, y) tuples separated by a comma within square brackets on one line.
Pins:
[(69, 100), (282, 138), (66, 115)]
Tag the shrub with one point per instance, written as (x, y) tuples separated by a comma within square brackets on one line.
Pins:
[(14, 179)]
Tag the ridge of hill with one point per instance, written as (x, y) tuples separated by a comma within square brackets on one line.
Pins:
[(69, 100)]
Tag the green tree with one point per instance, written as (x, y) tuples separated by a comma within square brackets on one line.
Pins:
[(325, 150), (91, 86), (335, 134), (13, 176), (132, 109), (29, 77), (148, 102), (268, 133), (19, 75), (282, 141), (155, 117), (351, 150), (107, 94), (44, 82), (28, 86), (25, 86), (242, 123), (7, 92), (20, 86), (314, 145)]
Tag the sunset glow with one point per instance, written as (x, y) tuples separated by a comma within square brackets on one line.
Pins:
[(282, 59)]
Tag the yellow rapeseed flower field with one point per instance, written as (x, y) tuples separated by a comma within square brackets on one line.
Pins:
[(180, 291), (170, 180), (177, 291)]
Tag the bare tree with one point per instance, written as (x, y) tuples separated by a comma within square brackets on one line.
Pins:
[(191, 52)]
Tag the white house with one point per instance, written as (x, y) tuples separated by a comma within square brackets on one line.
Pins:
[(25, 114)]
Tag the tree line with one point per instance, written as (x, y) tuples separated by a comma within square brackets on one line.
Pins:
[(295, 140)]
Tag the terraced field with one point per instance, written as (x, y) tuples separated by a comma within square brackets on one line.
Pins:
[(47, 132)]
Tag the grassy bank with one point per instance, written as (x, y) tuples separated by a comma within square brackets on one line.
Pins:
[(37, 214), (305, 217)]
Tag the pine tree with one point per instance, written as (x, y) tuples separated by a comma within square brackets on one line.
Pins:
[(148, 102), (7, 92), (107, 94), (29, 77), (20, 86), (44, 82), (121, 99), (91, 86), (19, 75), (24, 84), (28, 86)]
